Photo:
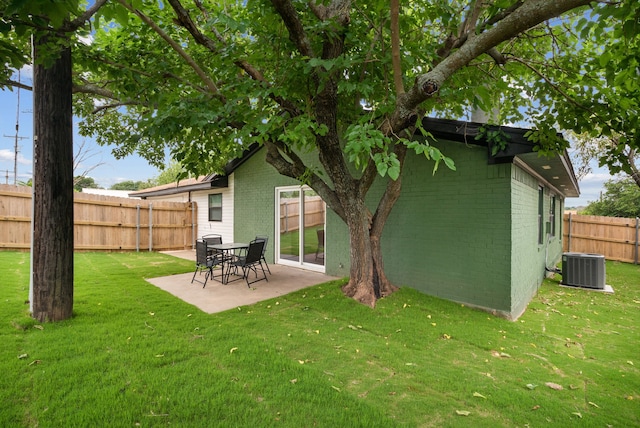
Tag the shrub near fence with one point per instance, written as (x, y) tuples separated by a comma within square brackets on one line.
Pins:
[(613, 237), (104, 223)]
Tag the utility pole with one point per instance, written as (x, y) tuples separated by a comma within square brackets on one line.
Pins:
[(16, 137), (16, 150)]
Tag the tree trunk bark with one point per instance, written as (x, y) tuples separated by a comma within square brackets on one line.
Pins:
[(367, 279), (52, 242)]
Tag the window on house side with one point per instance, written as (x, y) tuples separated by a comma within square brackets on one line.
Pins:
[(215, 207), (540, 215), (552, 216)]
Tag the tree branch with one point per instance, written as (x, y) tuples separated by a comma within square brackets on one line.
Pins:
[(185, 20), (90, 88), (550, 83), (176, 47), (82, 19), (395, 46), (15, 84), (390, 196), (527, 15), (295, 168), (296, 30)]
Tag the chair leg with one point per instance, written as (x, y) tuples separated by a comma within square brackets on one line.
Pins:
[(206, 276), (267, 265), (245, 271), (245, 274)]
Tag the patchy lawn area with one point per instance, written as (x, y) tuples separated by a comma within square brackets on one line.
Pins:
[(134, 355)]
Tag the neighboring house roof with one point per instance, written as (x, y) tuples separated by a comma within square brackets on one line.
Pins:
[(556, 170), (203, 182), (106, 192), (181, 186)]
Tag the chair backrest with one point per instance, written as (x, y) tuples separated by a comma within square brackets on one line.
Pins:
[(254, 253), (212, 239), (320, 234), (201, 252), (265, 238)]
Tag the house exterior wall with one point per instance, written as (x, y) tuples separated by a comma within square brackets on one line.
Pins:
[(224, 227), (469, 235), (449, 234), (201, 198), (254, 200), (529, 257), (255, 182), (527, 264)]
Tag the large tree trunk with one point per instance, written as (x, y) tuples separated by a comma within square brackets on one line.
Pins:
[(52, 244), (367, 279)]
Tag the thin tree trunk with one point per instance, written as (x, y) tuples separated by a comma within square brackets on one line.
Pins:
[(52, 244)]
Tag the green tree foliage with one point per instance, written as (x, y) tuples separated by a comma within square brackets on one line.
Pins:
[(595, 88), (132, 185), (347, 81), (171, 173), (344, 80), (621, 199), (83, 182)]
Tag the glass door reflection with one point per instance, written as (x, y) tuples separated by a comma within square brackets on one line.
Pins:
[(301, 216)]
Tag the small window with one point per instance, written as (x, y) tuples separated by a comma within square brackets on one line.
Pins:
[(215, 207), (540, 215)]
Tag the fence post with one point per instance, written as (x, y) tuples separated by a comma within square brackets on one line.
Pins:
[(569, 235), (636, 255), (150, 227), (138, 228)]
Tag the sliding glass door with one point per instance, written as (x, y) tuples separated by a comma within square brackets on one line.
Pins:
[(300, 225)]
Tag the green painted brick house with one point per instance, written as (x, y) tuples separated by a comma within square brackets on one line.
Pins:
[(481, 235)]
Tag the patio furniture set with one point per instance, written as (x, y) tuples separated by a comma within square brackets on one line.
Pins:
[(235, 260)]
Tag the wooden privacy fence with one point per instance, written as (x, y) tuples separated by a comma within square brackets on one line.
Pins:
[(104, 223), (290, 213), (613, 237)]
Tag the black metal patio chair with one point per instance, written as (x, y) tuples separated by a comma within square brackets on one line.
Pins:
[(265, 238), (251, 261), (212, 239), (204, 261)]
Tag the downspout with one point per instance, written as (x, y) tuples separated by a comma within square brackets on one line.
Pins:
[(193, 223)]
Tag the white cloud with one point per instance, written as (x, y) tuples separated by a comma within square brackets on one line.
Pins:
[(596, 177), (87, 40), (26, 72), (8, 155)]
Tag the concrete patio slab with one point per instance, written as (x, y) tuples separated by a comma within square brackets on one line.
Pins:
[(217, 297)]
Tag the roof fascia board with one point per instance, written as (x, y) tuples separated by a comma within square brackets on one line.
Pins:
[(521, 164)]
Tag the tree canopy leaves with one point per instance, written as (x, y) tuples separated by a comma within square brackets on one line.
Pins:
[(621, 199)]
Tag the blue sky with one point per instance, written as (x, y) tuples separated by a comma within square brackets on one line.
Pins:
[(109, 172), (112, 170)]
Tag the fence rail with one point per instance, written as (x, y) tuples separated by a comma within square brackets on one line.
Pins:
[(290, 213), (104, 223), (613, 237)]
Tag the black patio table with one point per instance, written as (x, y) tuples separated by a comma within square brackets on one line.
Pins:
[(229, 251)]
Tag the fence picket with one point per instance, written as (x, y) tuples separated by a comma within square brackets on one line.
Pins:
[(613, 237), (102, 223)]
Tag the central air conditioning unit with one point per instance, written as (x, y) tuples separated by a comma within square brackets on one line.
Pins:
[(583, 270)]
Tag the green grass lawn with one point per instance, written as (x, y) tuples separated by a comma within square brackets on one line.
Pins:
[(290, 241), (134, 355)]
